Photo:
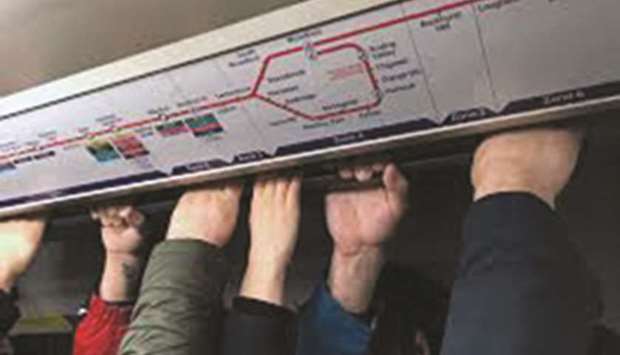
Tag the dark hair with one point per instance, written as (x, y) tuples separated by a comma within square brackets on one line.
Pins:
[(406, 302)]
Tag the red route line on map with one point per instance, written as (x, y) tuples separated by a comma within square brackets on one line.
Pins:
[(396, 21), (265, 65), (367, 68), (261, 77)]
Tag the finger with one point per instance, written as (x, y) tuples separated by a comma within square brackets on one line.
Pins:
[(99, 213), (397, 188), (260, 181), (296, 183), (363, 173), (109, 212), (346, 173), (135, 218), (234, 187), (281, 188), (294, 192), (104, 220), (94, 215), (111, 223), (110, 217), (125, 212), (104, 223), (118, 223), (379, 167), (261, 189), (114, 209), (113, 219), (270, 186), (121, 223)]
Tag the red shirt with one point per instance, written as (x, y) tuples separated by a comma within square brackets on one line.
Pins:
[(103, 328)]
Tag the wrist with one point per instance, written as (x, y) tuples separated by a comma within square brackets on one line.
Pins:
[(269, 269), (266, 276), (367, 261), (508, 174), (117, 260), (352, 277), (121, 277), (489, 190), (268, 261), (360, 252), (264, 280)]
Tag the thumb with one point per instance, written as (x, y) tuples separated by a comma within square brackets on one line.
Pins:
[(396, 188), (135, 218), (234, 188)]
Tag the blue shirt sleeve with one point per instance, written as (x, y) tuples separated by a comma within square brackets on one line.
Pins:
[(326, 328)]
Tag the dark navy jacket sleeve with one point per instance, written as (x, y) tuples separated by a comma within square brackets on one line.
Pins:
[(521, 287)]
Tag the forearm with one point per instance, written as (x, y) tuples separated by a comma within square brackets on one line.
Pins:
[(352, 278), (19, 241), (264, 278), (121, 277), (330, 322), (179, 308)]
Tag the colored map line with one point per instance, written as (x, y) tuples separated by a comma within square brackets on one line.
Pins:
[(261, 77), (368, 71)]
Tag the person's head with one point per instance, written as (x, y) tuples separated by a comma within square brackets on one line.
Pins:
[(410, 312)]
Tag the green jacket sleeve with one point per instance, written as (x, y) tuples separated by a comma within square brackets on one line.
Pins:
[(179, 311)]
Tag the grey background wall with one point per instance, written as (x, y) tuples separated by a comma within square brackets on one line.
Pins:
[(42, 40)]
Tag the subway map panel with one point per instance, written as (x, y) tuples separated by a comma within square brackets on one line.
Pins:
[(411, 66)]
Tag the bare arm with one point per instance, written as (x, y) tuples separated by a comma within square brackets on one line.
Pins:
[(274, 224), (259, 322), (20, 239), (360, 222), (121, 231)]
